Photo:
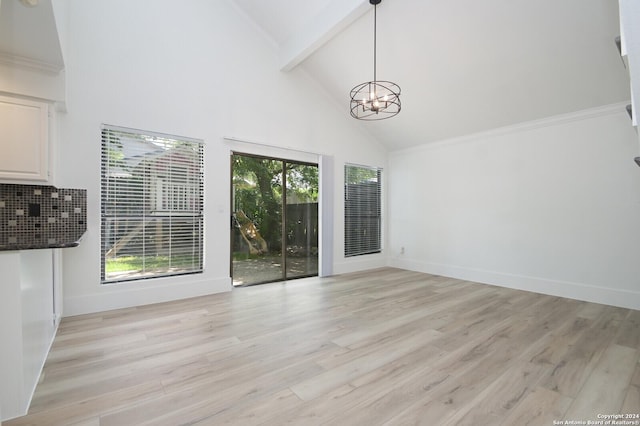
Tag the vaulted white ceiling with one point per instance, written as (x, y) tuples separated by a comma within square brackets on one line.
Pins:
[(464, 67)]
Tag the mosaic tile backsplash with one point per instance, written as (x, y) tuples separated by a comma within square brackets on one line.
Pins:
[(35, 216)]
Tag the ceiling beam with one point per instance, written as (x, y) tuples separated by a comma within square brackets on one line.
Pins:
[(630, 46), (335, 17)]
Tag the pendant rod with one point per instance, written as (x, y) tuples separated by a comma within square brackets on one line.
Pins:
[(375, 20)]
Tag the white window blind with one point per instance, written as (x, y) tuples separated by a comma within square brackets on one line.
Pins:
[(152, 205), (362, 210)]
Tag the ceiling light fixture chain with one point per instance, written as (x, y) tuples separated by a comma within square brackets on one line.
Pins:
[(375, 100)]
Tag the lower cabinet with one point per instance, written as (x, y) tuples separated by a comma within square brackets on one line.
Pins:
[(27, 325)]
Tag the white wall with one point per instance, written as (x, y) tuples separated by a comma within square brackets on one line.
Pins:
[(551, 206), (193, 68)]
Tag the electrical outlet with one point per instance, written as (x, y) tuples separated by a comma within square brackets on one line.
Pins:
[(401, 250)]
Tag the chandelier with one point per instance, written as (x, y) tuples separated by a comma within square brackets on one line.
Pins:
[(375, 100)]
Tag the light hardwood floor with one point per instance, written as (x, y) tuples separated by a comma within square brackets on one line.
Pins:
[(384, 347)]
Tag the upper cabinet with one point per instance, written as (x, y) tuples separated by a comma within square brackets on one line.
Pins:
[(24, 140)]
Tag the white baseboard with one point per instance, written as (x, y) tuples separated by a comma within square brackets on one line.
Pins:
[(128, 295), (359, 263), (588, 293)]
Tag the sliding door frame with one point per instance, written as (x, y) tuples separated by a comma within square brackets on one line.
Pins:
[(283, 222)]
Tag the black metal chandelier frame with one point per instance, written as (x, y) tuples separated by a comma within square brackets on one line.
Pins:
[(375, 100)]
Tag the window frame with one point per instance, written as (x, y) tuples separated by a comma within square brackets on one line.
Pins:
[(362, 215), (166, 161)]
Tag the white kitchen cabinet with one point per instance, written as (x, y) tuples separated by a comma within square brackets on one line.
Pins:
[(24, 140), (27, 325)]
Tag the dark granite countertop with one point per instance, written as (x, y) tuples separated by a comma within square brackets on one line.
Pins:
[(16, 247)]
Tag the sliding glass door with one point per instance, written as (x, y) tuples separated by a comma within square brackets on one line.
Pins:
[(274, 232), (301, 220)]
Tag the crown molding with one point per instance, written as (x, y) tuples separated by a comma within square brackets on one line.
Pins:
[(555, 120), (30, 63)]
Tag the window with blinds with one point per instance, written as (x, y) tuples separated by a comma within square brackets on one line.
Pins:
[(362, 210), (152, 205)]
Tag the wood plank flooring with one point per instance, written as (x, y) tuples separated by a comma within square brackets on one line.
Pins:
[(383, 347)]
